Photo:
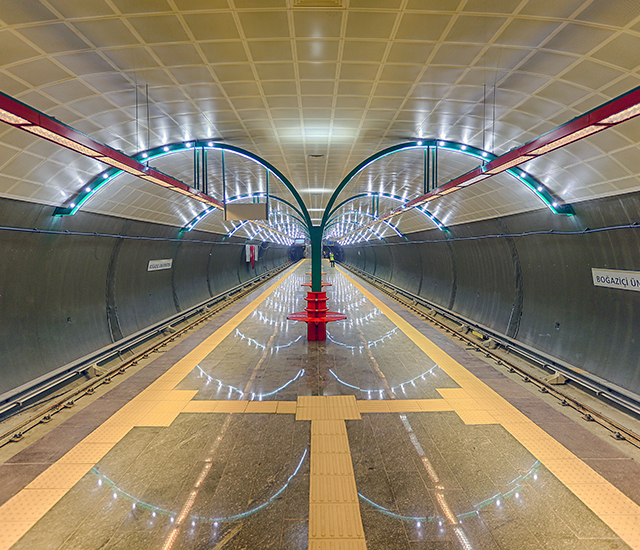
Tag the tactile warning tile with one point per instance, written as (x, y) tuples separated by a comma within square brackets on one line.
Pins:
[(312, 413), (130, 414), (373, 406), (404, 405), (510, 417), (331, 464), (454, 393), (548, 449), (86, 453), (598, 498), (338, 544), (345, 405), (434, 405), (336, 407), (573, 471), (335, 521), (262, 407), (231, 406), (152, 395), (329, 444), (305, 401), (464, 404), (286, 407), (10, 532), (60, 476), (200, 406), (627, 527), (180, 395), (168, 407), (107, 434), (29, 505), (166, 395), (476, 417), (328, 427), (528, 432), (158, 419), (332, 489)]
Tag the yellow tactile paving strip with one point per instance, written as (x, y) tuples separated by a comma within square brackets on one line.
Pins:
[(334, 511), (334, 516), (158, 405), (475, 402), (334, 407)]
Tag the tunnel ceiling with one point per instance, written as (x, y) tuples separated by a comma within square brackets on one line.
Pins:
[(316, 91)]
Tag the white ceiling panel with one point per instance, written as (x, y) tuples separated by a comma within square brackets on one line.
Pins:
[(290, 83)]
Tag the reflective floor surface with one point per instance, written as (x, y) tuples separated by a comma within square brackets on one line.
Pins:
[(215, 445)]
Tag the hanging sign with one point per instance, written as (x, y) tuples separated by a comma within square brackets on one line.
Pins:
[(610, 278), (242, 212), (157, 265)]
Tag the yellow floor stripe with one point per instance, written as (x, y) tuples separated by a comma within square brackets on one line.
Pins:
[(334, 511), (476, 401), (158, 405)]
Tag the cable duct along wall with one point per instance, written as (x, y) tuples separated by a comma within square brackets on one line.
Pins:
[(537, 288), (65, 295)]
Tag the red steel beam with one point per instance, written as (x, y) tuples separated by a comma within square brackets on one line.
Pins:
[(618, 110), (21, 116)]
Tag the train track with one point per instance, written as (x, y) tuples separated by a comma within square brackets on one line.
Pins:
[(589, 414), (17, 433)]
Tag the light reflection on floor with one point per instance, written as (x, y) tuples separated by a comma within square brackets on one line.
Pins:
[(268, 358)]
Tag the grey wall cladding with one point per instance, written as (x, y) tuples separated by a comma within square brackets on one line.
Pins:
[(537, 289), (65, 296)]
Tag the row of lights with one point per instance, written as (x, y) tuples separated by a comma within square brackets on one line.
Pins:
[(104, 481)]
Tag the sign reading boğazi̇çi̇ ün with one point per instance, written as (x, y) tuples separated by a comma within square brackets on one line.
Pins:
[(611, 278), (157, 265)]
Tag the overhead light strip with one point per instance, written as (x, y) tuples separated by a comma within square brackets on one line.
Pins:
[(616, 111), (27, 118)]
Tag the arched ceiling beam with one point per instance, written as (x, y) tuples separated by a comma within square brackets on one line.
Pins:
[(423, 211), (334, 221), (31, 120), (609, 114), (100, 181), (532, 183), (208, 211)]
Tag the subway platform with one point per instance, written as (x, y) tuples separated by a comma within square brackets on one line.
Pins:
[(388, 435)]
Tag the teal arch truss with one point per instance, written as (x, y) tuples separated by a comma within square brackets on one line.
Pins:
[(537, 187), (94, 186)]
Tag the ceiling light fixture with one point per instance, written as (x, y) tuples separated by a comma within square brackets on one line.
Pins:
[(26, 118)]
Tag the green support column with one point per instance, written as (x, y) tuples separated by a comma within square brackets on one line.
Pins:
[(315, 233)]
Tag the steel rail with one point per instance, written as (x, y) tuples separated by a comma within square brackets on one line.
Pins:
[(618, 431), (16, 433)]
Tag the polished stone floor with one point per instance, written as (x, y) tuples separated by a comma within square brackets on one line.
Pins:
[(431, 479)]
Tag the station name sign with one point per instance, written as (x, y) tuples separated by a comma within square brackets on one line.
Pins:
[(157, 265), (610, 278)]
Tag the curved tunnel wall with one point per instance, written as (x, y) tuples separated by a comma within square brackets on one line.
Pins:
[(537, 289), (65, 296)]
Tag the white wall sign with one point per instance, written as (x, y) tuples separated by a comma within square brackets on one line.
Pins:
[(157, 265), (611, 278)]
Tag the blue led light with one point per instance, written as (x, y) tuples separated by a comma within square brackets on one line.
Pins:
[(155, 510)]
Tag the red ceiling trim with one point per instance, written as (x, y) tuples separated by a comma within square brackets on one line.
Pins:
[(26, 118)]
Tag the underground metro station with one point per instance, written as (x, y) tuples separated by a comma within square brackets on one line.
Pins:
[(324, 274)]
